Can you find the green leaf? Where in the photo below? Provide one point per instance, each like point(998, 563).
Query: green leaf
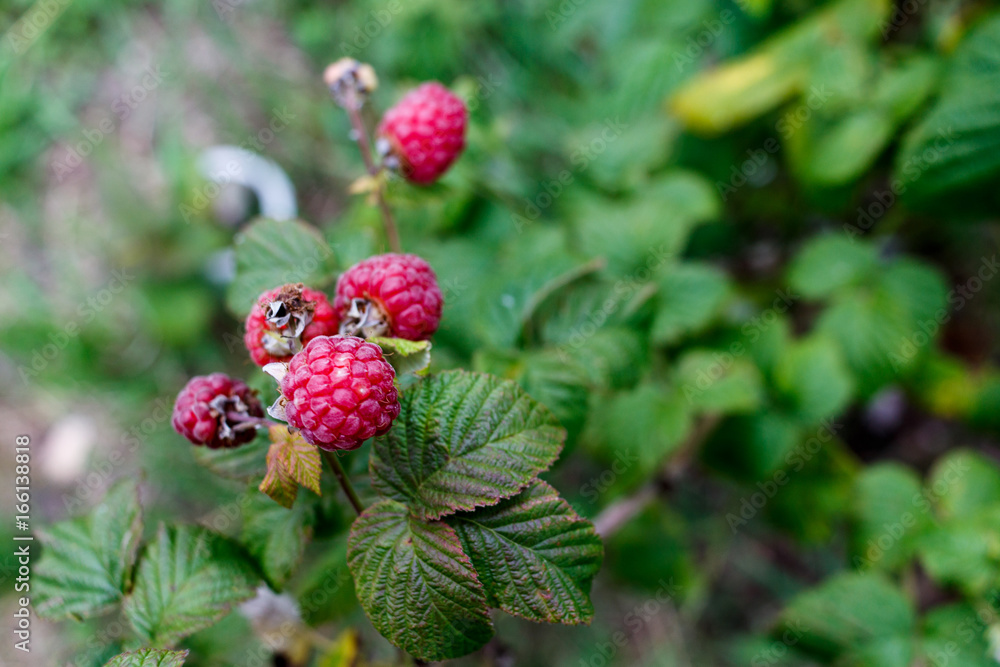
point(778, 69)
point(86, 563)
point(463, 440)
point(649, 228)
point(751, 446)
point(850, 611)
point(638, 430)
point(691, 294)
point(276, 536)
point(888, 520)
point(956, 145)
point(188, 578)
point(291, 462)
point(814, 379)
point(943, 624)
point(406, 356)
point(719, 382)
point(963, 554)
point(148, 658)
point(416, 584)
point(535, 556)
point(271, 253)
point(244, 462)
point(963, 483)
point(829, 263)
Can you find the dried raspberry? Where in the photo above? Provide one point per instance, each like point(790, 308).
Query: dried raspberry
point(217, 411)
point(284, 319)
point(425, 131)
point(339, 392)
point(389, 295)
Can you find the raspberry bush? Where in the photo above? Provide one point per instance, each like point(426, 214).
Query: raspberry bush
point(568, 334)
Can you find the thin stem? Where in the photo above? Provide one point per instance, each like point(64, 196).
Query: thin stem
point(353, 107)
point(345, 483)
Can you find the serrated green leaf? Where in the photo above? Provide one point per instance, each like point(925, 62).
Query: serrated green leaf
point(416, 584)
point(463, 440)
point(271, 253)
point(691, 294)
point(405, 356)
point(244, 462)
point(276, 536)
point(86, 563)
point(534, 555)
point(148, 658)
point(188, 578)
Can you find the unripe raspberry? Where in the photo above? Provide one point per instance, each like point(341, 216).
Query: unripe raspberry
point(339, 392)
point(425, 131)
point(389, 295)
point(217, 411)
point(284, 320)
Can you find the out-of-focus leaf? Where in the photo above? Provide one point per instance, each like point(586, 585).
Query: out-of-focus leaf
point(690, 296)
point(956, 145)
point(86, 563)
point(888, 518)
point(829, 263)
point(271, 253)
point(188, 578)
point(718, 382)
point(276, 536)
point(813, 379)
point(149, 658)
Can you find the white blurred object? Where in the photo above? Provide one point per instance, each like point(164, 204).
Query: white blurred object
point(277, 621)
point(64, 453)
point(232, 165)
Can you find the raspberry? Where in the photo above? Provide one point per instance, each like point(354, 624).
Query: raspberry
point(339, 392)
point(217, 411)
point(284, 319)
point(389, 295)
point(425, 131)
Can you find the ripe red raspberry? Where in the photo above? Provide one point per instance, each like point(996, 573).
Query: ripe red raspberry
point(284, 319)
point(425, 131)
point(389, 295)
point(217, 411)
point(339, 392)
